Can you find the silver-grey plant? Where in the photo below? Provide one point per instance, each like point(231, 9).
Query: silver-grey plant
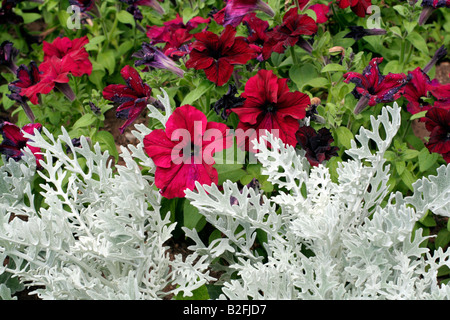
point(349, 239)
point(99, 233)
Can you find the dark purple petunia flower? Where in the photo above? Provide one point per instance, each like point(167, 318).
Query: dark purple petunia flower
point(371, 87)
point(429, 6)
point(317, 144)
point(8, 54)
point(84, 5)
point(14, 140)
point(136, 12)
point(227, 102)
point(358, 32)
point(132, 98)
point(154, 58)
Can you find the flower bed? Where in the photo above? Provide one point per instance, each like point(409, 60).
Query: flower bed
point(276, 140)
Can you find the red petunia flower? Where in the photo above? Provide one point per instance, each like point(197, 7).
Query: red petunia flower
point(437, 122)
point(54, 74)
point(289, 33)
point(183, 152)
point(218, 55)
point(14, 141)
point(26, 77)
point(416, 89)
point(317, 144)
point(321, 11)
point(269, 106)
point(62, 47)
point(175, 34)
point(358, 6)
point(372, 87)
point(257, 30)
point(132, 98)
point(235, 10)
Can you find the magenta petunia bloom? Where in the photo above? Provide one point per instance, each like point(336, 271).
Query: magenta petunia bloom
point(14, 141)
point(62, 47)
point(218, 55)
point(321, 11)
point(132, 98)
point(371, 87)
point(235, 10)
point(183, 152)
point(317, 144)
point(289, 33)
point(269, 106)
point(437, 122)
point(358, 6)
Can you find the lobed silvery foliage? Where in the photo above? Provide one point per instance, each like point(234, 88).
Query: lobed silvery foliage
point(99, 234)
point(349, 239)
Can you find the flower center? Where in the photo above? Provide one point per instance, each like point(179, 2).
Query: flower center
point(215, 54)
point(270, 108)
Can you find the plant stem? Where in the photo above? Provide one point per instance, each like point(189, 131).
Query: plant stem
point(293, 55)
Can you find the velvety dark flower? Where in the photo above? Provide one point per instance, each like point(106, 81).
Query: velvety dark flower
point(62, 47)
point(289, 33)
point(317, 144)
point(416, 90)
point(371, 87)
point(54, 74)
point(96, 110)
point(8, 54)
point(269, 106)
point(14, 140)
point(136, 12)
point(437, 122)
point(227, 102)
point(429, 6)
point(439, 54)
point(132, 98)
point(218, 55)
point(358, 6)
point(151, 57)
point(358, 32)
point(84, 5)
point(179, 164)
point(257, 30)
point(7, 15)
point(236, 10)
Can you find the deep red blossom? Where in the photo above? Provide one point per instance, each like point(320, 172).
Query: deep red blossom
point(317, 144)
point(417, 88)
point(269, 106)
point(289, 33)
point(371, 87)
point(321, 11)
point(62, 47)
point(235, 10)
point(175, 34)
point(84, 5)
point(218, 55)
point(437, 122)
point(358, 6)
point(183, 152)
point(257, 30)
point(54, 73)
point(131, 98)
point(14, 140)
point(26, 77)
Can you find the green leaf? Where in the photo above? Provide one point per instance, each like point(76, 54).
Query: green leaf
point(400, 166)
point(442, 239)
point(30, 17)
point(344, 136)
point(107, 139)
point(195, 94)
point(418, 115)
point(333, 67)
point(108, 60)
point(428, 220)
point(126, 18)
point(191, 216)
point(408, 179)
point(318, 83)
point(418, 42)
point(232, 172)
point(200, 293)
point(426, 159)
point(85, 121)
point(300, 75)
point(409, 154)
